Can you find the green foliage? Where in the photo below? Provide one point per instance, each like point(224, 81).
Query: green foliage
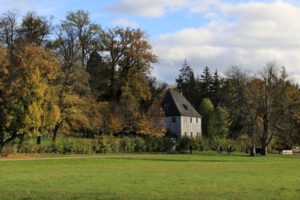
point(187, 84)
point(102, 144)
point(208, 117)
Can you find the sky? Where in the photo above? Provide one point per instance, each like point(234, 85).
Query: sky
point(214, 33)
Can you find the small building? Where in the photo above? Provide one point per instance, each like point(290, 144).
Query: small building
point(180, 117)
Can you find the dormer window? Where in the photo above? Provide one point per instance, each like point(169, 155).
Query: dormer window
point(185, 106)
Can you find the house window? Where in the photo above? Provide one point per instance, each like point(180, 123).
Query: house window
point(191, 134)
point(185, 134)
point(191, 119)
point(185, 107)
point(196, 120)
point(173, 119)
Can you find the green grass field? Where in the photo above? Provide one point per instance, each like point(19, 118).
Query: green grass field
point(197, 176)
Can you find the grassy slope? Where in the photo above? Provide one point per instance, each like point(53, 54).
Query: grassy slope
point(197, 176)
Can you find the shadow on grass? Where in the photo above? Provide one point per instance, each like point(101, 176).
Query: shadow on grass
point(191, 158)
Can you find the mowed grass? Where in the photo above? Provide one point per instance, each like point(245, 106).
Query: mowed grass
point(196, 176)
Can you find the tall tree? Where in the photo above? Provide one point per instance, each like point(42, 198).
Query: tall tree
point(186, 83)
point(34, 29)
point(99, 76)
point(128, 55)
point(206, 82)
point(79, 24)
point(25, 95)
point(208, 118)
point(8, 32)
point(262, 102)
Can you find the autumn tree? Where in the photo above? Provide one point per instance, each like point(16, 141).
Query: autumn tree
point(25, 101)
point(34, 30)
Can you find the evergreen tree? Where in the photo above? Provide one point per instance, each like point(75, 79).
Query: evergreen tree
point(216, 89)
point(206, 82)
point(99, 77)
point(186, 83)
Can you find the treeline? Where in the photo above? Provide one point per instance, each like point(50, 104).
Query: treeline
point(263, 108)
point(75, 77)
point(78, 78)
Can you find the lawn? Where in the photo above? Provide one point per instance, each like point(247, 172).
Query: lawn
point(196, 176)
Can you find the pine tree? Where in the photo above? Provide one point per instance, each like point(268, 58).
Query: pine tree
point(206, 82)
point(186, 83)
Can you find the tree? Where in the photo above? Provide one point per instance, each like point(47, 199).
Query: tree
point(206, 82)
point(8, 32)
point(34, 30)
point(99, 76)
point(79, 25)
point(222, 122)
point(187, 84)
point(206, 110)
point(75, 39)
point(24, 93)
point(261, 102)
point(217, 87)
point(128, 55)
point(276, 102)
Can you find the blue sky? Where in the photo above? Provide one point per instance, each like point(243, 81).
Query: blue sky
point(214, 33)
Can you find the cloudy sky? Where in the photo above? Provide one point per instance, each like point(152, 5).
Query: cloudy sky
point(214, 33)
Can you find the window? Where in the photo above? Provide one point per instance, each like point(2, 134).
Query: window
point(191, 119)
point(185, 134)
point(173, 119)
point(191, 134)
point(196, 120)
point(185, 107)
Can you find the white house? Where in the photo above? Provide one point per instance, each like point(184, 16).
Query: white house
point(180, 116)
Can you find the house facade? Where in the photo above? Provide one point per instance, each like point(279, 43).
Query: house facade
point(181, 118)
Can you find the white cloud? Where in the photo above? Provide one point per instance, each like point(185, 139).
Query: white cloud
point(146, 8)
point(245, 34)
point(122, 22)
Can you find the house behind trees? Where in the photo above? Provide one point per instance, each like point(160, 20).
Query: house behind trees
point(180, 117)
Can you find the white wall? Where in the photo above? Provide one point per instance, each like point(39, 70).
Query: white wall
point(183, 125)
point(191, 126)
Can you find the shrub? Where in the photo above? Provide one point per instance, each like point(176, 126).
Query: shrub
point(139, 144)
point(184, 143)
point(127, 145)
point(8, 149)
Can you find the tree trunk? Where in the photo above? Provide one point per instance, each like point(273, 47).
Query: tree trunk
point(55, 131)
point(253, 150)
point(39, 140)
point(1, 148)
point(264, 150)
point(20, 142)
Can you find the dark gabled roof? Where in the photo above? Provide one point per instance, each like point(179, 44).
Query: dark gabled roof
point(175, 104)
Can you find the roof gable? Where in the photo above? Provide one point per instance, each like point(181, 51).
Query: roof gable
point(175, 104)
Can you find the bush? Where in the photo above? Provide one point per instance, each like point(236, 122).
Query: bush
point(28, 147)
point(8, 149)
point(184, 143)
point(110, 144)
point(139, 144)
point(127, 145)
